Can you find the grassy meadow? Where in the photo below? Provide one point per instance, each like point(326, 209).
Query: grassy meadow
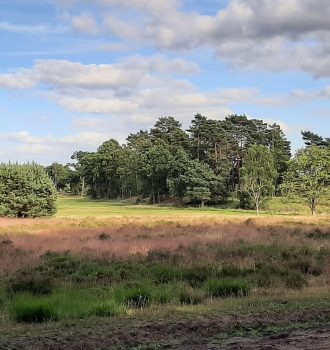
point(98, 261)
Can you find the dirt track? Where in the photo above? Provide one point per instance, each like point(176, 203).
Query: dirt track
point(283, 331)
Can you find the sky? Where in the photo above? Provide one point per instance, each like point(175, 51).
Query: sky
point(75, 73)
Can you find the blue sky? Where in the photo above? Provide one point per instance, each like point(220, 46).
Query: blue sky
point(74, 73)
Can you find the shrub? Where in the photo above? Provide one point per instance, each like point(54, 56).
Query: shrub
point(227, 287)
point(295, 280)
point(196, 275)
point(27, 283)
point(30, 310)
point(26, 191)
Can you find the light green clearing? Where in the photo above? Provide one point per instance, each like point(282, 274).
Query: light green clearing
point(84, 207)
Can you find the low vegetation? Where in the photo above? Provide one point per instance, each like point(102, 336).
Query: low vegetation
point(108, 268)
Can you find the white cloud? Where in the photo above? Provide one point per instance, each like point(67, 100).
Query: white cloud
point(84, 23)
point(128, 72)
point(258, 34)
point(20, 80)
point(39, 29)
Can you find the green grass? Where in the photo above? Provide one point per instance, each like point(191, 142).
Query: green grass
point(225, 288)
point(84, 207)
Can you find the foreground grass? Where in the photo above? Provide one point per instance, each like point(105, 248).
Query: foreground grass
point(169, 326)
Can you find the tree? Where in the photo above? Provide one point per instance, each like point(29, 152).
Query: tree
point(26, 191)
point(154, 170)
point(60, 175)
point(312, 139)
point(194, 181)
point(258, 174)
point(309, 175)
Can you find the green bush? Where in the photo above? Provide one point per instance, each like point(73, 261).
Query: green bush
point(33, 310)
point(26, 191)
point(227, 287)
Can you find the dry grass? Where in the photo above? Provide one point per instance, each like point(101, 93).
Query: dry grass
point(23, 241)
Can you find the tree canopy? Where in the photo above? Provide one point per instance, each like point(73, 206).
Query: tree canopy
point(26, 191)
point(308, 175)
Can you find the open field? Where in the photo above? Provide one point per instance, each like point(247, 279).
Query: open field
point(76, 207)
point(105, 275)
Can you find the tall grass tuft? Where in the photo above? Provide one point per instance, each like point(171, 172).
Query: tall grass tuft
point(134, 297)
point(33, 310)
point(224, 288)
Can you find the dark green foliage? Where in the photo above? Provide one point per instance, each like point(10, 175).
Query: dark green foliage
point(135, 297)
point(26, 191)
point(224, 288)
point(61, 175)
point(195, 166)
point(245, 200)
point(31, 310)
point(28, 282)
point(312, 139)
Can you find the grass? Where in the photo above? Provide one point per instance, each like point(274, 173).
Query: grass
point(27, 309)
point(225, 288)
point(84, 207)
point(74, 207)
point(122, 259)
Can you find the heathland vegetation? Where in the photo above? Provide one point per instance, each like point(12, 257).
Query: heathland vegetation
point(174, 265)
point(151, 235)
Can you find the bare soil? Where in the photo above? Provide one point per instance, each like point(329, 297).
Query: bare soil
point(300, 330)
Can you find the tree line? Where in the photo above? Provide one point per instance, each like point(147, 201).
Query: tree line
point(199, 165)
point(209, 162)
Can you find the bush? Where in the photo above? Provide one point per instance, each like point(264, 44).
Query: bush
point(227, 287)
point(196, 275)
point(245, 201)
point(295, 280)
point(27, 283)
point(26, 191)
point(30, 310)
